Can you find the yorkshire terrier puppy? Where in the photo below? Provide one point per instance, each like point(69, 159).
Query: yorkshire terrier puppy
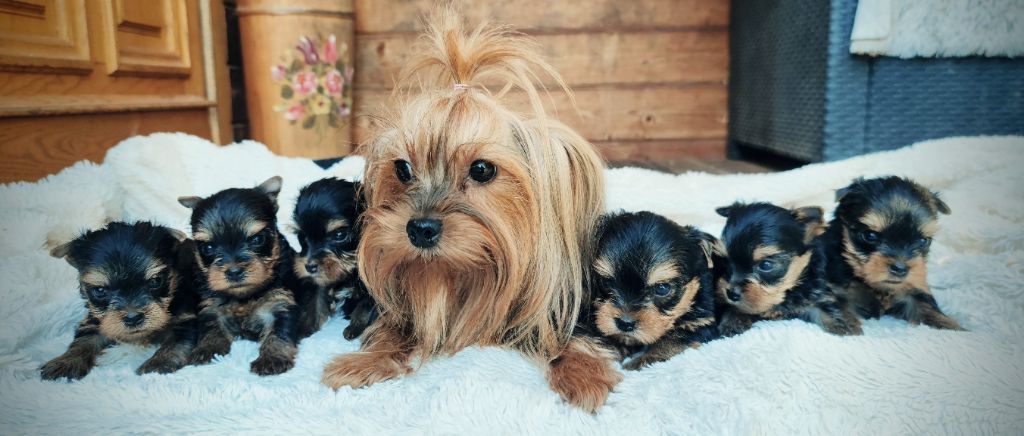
point(776, 270)
point(479, 219)
point(877, 247)
point(653, 287)
point(129, 277)
point(327, 226)
point(244, 277)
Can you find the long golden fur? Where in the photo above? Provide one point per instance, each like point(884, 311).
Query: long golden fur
point(510, 267)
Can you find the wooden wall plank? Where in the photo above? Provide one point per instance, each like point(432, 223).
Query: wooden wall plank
point(615, 114)
point(646, 151)
point(375, 16)
point(581, 59)
point(31, 148)
point(650, 76)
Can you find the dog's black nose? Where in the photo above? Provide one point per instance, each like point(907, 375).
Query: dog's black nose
point(133, 319)
point(312, 267)
point(424, 232)
point(234, 273)
point(734, 294)
point(899, 269)
point(625, 323)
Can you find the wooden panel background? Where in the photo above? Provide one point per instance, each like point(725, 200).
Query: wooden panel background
point(78, 76)
point(650, 76)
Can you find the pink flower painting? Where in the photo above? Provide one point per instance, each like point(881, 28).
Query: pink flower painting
point(303, 82)
point(334, 82)
point(316, 84)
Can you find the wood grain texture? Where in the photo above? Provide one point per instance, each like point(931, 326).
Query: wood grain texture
point(647, 151)
point(267, 40)
point(50, 118)
point(375, 16)
point(614, 113)
point(149, 39)
point(44, 35)
point(581, 58)
point(650, 76)
point(33, 147)
point(215, 69)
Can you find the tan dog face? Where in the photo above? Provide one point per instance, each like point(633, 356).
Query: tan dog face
point(127, 277)
point(887, 227)
point(478, 217)
point(327, 226)
point(647, 275)
point(237, 242)
point(769, 251)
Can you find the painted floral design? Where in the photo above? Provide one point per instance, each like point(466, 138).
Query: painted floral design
point(316, 85)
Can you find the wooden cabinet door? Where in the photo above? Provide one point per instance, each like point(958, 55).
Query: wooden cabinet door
point(78, 76)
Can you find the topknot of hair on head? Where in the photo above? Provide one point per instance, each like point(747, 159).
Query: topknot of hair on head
point(448, 56)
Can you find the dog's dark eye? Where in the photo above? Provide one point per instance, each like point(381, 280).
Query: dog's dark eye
point(403, 170)
point(482, 171)
point(206, 250)
point(923, 242)
point(257, 240)
point(99, 293)
point(869, 237)
point(766, 265)
point(155, 283)
point(340, 235)
point(662, 289)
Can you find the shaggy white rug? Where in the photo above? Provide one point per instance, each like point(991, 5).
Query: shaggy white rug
point(779, 378)
point(938, 28)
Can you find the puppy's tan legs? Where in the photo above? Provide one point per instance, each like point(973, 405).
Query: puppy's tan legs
point(919, 307)
point(384, 355)
point(734, 322)
point(660, 351)
point(583, 375)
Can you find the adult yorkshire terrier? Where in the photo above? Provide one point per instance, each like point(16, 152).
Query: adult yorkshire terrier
point(479, 219)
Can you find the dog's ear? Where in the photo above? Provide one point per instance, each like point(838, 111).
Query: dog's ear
point(939, 205)
point(812, 218)
point(852, 187)
point(271, 187)
point(190, 201)
point(725, 210)
point(178, 235)
point(63, 251)
point(808, 214)
point(712, 248)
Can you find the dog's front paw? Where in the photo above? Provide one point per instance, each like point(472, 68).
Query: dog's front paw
point(583, 375)
point(353, 331)
point(636, 364)
point(271, 364)
point(205, 353)
point(362, 369)
point(161, 364)
point(70, 368)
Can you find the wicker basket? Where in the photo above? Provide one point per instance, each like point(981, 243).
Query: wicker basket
point(795, 90)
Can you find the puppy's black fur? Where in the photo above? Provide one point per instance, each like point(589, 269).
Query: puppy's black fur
point(877, 246)
point(243, 274)
point(777, 270)
point(652, 287)
point(129, 278)
point(327, 219)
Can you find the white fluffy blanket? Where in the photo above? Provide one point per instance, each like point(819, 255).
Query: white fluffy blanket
point(779, 378)
point(938, 28)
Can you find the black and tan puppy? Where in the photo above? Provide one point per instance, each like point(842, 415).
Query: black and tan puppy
point(327, 226)
point(877, 247)
point(776, 270)
point(244, 277)
point(653, 288)
point(129, 277)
